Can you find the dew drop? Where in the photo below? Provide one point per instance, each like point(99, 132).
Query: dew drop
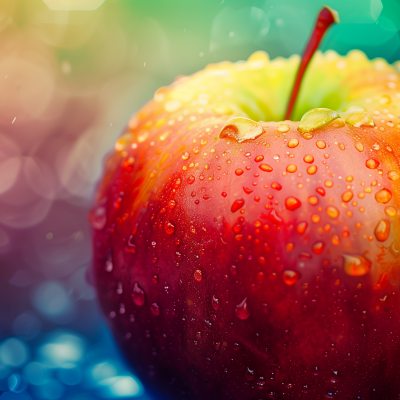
point(312, 169)
point(356, 265)
point(372, 164)
point(249, 374)
point(291, 168)
point(390, 211)
point(308, 158)
point(332, 211)
point(318, 248)
point(313, 200)
point(291, 203)
point(237, 205)
point(320, 191)
point(359, 146)
point(274, 217)
point(198, 275)
point(242, 310)
point(265, 168)
point(98, 217)
point(393, 175)
point(241, 129)
point(239, 172)
point(347, 196)
point(276, 186)
point(155, 309)
point(259, 158)
point(130, 246)
point(320, 144)
point(109, 266)
point(293, 143)
point(171, 204)
point(185, 155)
point(301, 227)
point(315, 119)
point(290, 277)
point(383, 196)
point(215, 303)
point(382, 230)
point(283, 128)
point(169, 227)
point(247, 190)
point(358, 119)
point(191, 179)
point(138, 295)
point(375, 146)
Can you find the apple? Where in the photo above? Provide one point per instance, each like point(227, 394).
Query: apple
point(238, 255)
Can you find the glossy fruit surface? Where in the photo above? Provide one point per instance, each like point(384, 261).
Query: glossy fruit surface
point(238, 259)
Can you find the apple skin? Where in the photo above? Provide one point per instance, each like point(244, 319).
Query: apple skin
point(210, 298)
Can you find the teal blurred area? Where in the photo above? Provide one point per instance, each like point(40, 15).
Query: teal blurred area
point(69, 82)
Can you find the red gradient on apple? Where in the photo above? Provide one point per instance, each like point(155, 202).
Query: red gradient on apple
point(256, 260)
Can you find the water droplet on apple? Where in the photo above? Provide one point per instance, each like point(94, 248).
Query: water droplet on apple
point(383, 196)
point(120, 288)
point(98, 217)
point(276, 186)
point(390, 211)
point(358, 119)
point(318, 248)
point(155, 309)
point(393, 175)
point(308, 158)
point(237, 204)
point(359, 146)
point(382, 230)
point(242, 310)
point(215, 303)
point(274, 217)
point(241, 129)
point(138, 295)
point(247, 190)
point(356, 265)
point(266, 168)
point(320, 191)
point(109, 266)
point(198, 275)
point(283, 128)
point(291, 203)
point(372, 164)
point(347, 196)
point(301, 227)
point(332, 211)
point(239, 172)
point(312, 169)
point(293, 143)
point(169, 227)
point(291, 168)
point(290, 277)
point(320, 144)
point(259, 158)
point(249, 374)
point(191, 179)
point(315, 119)
point(171, 204)
point(185, 155)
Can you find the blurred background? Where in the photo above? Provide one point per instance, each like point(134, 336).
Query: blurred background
point(69, 82)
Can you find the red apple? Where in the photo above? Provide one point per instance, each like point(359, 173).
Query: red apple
point(244, 260)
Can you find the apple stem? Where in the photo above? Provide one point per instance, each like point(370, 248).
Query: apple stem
point(326, 18)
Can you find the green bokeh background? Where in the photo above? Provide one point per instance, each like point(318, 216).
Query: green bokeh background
point(154, 41)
